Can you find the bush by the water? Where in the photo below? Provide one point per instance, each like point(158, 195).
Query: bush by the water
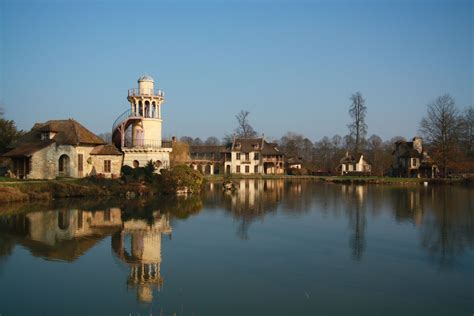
point(180, 179)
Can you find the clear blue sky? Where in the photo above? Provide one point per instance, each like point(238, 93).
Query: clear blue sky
point(292, 64)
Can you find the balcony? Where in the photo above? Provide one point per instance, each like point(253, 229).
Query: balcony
point(135, 92)
point(147, 143)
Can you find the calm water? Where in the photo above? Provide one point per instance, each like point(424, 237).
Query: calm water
point(273, 248)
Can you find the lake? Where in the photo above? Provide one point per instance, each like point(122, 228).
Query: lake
point(275, 247)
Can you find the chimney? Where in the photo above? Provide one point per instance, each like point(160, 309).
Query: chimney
point(418, 144)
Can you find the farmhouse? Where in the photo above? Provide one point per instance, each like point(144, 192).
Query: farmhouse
point(412, 161)
point(62, 148)
point(354, 165)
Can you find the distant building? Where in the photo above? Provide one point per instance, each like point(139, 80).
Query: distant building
point(209, 159)
point(254, 156)
point(62, 148)
point(242, 156)
point(294, 163)
point(411, 161)
point(354, 165)
point(137, 131)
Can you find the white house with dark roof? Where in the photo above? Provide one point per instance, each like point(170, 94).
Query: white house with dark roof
point(254, 156)
point(355, 165)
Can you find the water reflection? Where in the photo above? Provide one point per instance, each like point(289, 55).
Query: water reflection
point(138, 245)
point(443, 214)
point(441, 219)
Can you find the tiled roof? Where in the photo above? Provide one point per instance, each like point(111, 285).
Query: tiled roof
point(67, 132)
point(206, 149)
point(27, 149)
point(106, 150)
point(246, 145)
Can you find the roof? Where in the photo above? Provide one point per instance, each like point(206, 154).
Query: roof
point(146, 78)
point(106, 150)
point(349, 158)
point(67, 132)
point(294, 160)
point(206, 149)
point(246, 145)
point(406, 150)
point(27, 149)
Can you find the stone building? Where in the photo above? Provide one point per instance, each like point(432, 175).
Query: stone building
point(138, 131)
point(354, 165)
point(242, 156)
point(412, 161)
point(253, 156)
point(208, 159)
point(62, 148)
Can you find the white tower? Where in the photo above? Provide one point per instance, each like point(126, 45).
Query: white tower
point(138, 130)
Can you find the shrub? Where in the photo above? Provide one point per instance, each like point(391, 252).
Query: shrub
point(180, 178)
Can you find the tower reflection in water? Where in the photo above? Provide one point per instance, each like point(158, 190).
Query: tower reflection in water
point(66, 235)
point(138, 244)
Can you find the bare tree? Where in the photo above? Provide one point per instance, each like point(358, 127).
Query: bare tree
point(187, 139)
point(357, 112)
point(244, 129)
point(440, 127)
point(375, 149)
point(467, 133)
point(211, 140)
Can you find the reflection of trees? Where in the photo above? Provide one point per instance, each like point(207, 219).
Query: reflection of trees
point(354, 197)
point(449, 228)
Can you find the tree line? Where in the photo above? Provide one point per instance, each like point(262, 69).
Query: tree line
point(447, 131)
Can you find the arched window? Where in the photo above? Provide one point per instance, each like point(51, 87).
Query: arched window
point(136, 164)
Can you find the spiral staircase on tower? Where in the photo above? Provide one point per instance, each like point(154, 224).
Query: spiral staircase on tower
point(120, 130)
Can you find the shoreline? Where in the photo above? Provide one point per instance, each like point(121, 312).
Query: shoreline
point(49, 190)
point(347, 179)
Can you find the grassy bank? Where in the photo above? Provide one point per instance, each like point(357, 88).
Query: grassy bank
point(21, 191)
point(136, 182)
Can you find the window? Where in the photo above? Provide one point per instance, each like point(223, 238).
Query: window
point(107, 166)
point(237, 156)
point(247, 156)
point(107, 215)
point(44, 135)
point(80, 162)
point(255, 169)
point(247, 169)
point(238, 169)
point(256, 156)
point(414, 162)
point(79, 220)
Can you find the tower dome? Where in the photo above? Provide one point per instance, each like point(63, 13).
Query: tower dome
point(145, 78)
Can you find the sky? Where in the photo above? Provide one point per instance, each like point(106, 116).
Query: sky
point(292, 64)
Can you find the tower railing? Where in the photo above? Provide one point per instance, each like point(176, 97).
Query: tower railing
point(147, 143)
point(150, 92)
point(121, 118)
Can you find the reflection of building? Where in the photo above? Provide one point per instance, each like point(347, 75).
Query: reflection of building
point(60, 235)
point(138, 244)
